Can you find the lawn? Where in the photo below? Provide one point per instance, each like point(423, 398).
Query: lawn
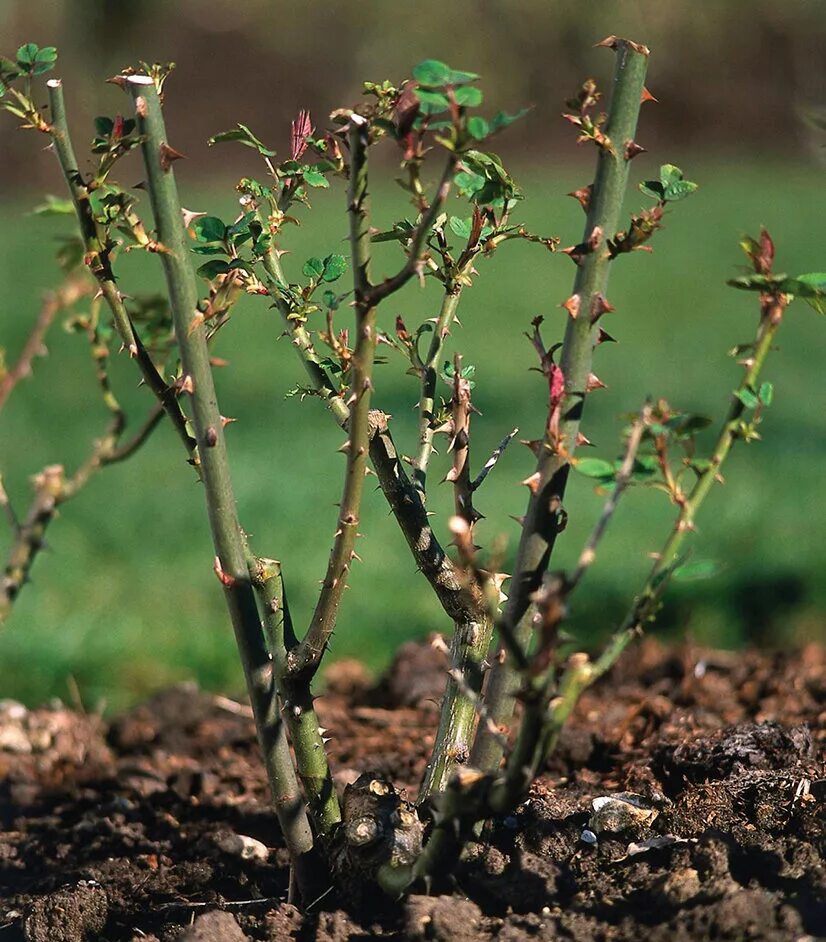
point(126, 601)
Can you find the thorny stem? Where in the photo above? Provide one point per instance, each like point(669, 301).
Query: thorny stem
point(297, 702)
point(306, 658)
point(427, 395)
point(231, 560)
point(97, 258)
point(543, 516)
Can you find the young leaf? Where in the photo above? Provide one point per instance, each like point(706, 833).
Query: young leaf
point(699, 569)
point(334, 267)
point(503, 119)
point(314, 177)
point(468, 96)
point(432, 73)
point(243, 135)
point(460, 226)
point(595, 468)
point(26, 55)
point(432, 102)
point(478, 128)
point(313, 268)
point(213, 268)
point(209, 229)
point(748, 397)
point(766, 393)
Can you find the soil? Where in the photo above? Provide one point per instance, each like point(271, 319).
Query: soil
point(707, 769)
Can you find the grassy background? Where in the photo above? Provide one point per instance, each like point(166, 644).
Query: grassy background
point(126, 601)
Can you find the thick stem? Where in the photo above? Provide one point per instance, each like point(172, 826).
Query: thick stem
point(297, 702)
point(97, 258)
point(306, 658)
point(542, 518)
point(231, 563)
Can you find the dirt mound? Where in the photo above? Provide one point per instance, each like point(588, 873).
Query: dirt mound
point(686, 801)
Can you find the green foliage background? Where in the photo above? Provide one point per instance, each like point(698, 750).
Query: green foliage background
point(126, 600)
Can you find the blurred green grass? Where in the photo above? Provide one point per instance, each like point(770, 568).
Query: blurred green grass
point(125, 601)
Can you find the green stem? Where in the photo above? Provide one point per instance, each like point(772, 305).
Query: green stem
point(307, 656)
point(645, 605)
point(97, 258)
point(297, 702)
point(542, 517)
point(231, 562)
point(427, 395)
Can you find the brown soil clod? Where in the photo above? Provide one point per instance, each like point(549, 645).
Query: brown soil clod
point(698, 775)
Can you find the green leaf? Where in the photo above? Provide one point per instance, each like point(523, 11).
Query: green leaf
point(762, 283)
point(209, 229)
point(330, 299)
point(468, 96)
point(810, 287)
point(653, 188)
point(54, 206)
point(213, 268)
point(748, 397)
point(243, 135)
point(460, 226)
point(26, 55)
point(432, 102)
point(104, 126)
point(469, 184)
point(432, 73)
point(44, 60)
point(314, 177)
point(502, 119)
point(699, 569)
point(595, 468)
point(313, 268)
point(334, 267)
point(241, 226)
point(766, 393)
point(478, 128)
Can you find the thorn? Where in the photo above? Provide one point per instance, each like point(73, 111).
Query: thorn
point(632, 149)
point(368, 471)
point(196, 322)
point(582, 196)
point(594, 382)
point(133, 350)
point(168, 156)
point(345, 447)
point(187, 385)
point(226, 580)
point(599, 306)
point(572, 305)
point(532, 482)
point(190, 216)
point(225, 421)
point(321, 730)
point(536, 445)
point(519, 520)
point(582, 441)
point(326, 740)
point(646, 96)
point(218, 362)
point(355, 555)
point(604, 337)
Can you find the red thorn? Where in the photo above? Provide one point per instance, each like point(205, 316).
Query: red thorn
point(632, 149)
point(594, 382)
point(599, 306)
point(646, 96)
point(572, 305)
point(583, 196)
point(226, 580)
point(582, 441)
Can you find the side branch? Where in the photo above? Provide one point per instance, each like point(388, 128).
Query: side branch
point(545, 513)
point(306, 658)
point(97, 258)
point(377, 293)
